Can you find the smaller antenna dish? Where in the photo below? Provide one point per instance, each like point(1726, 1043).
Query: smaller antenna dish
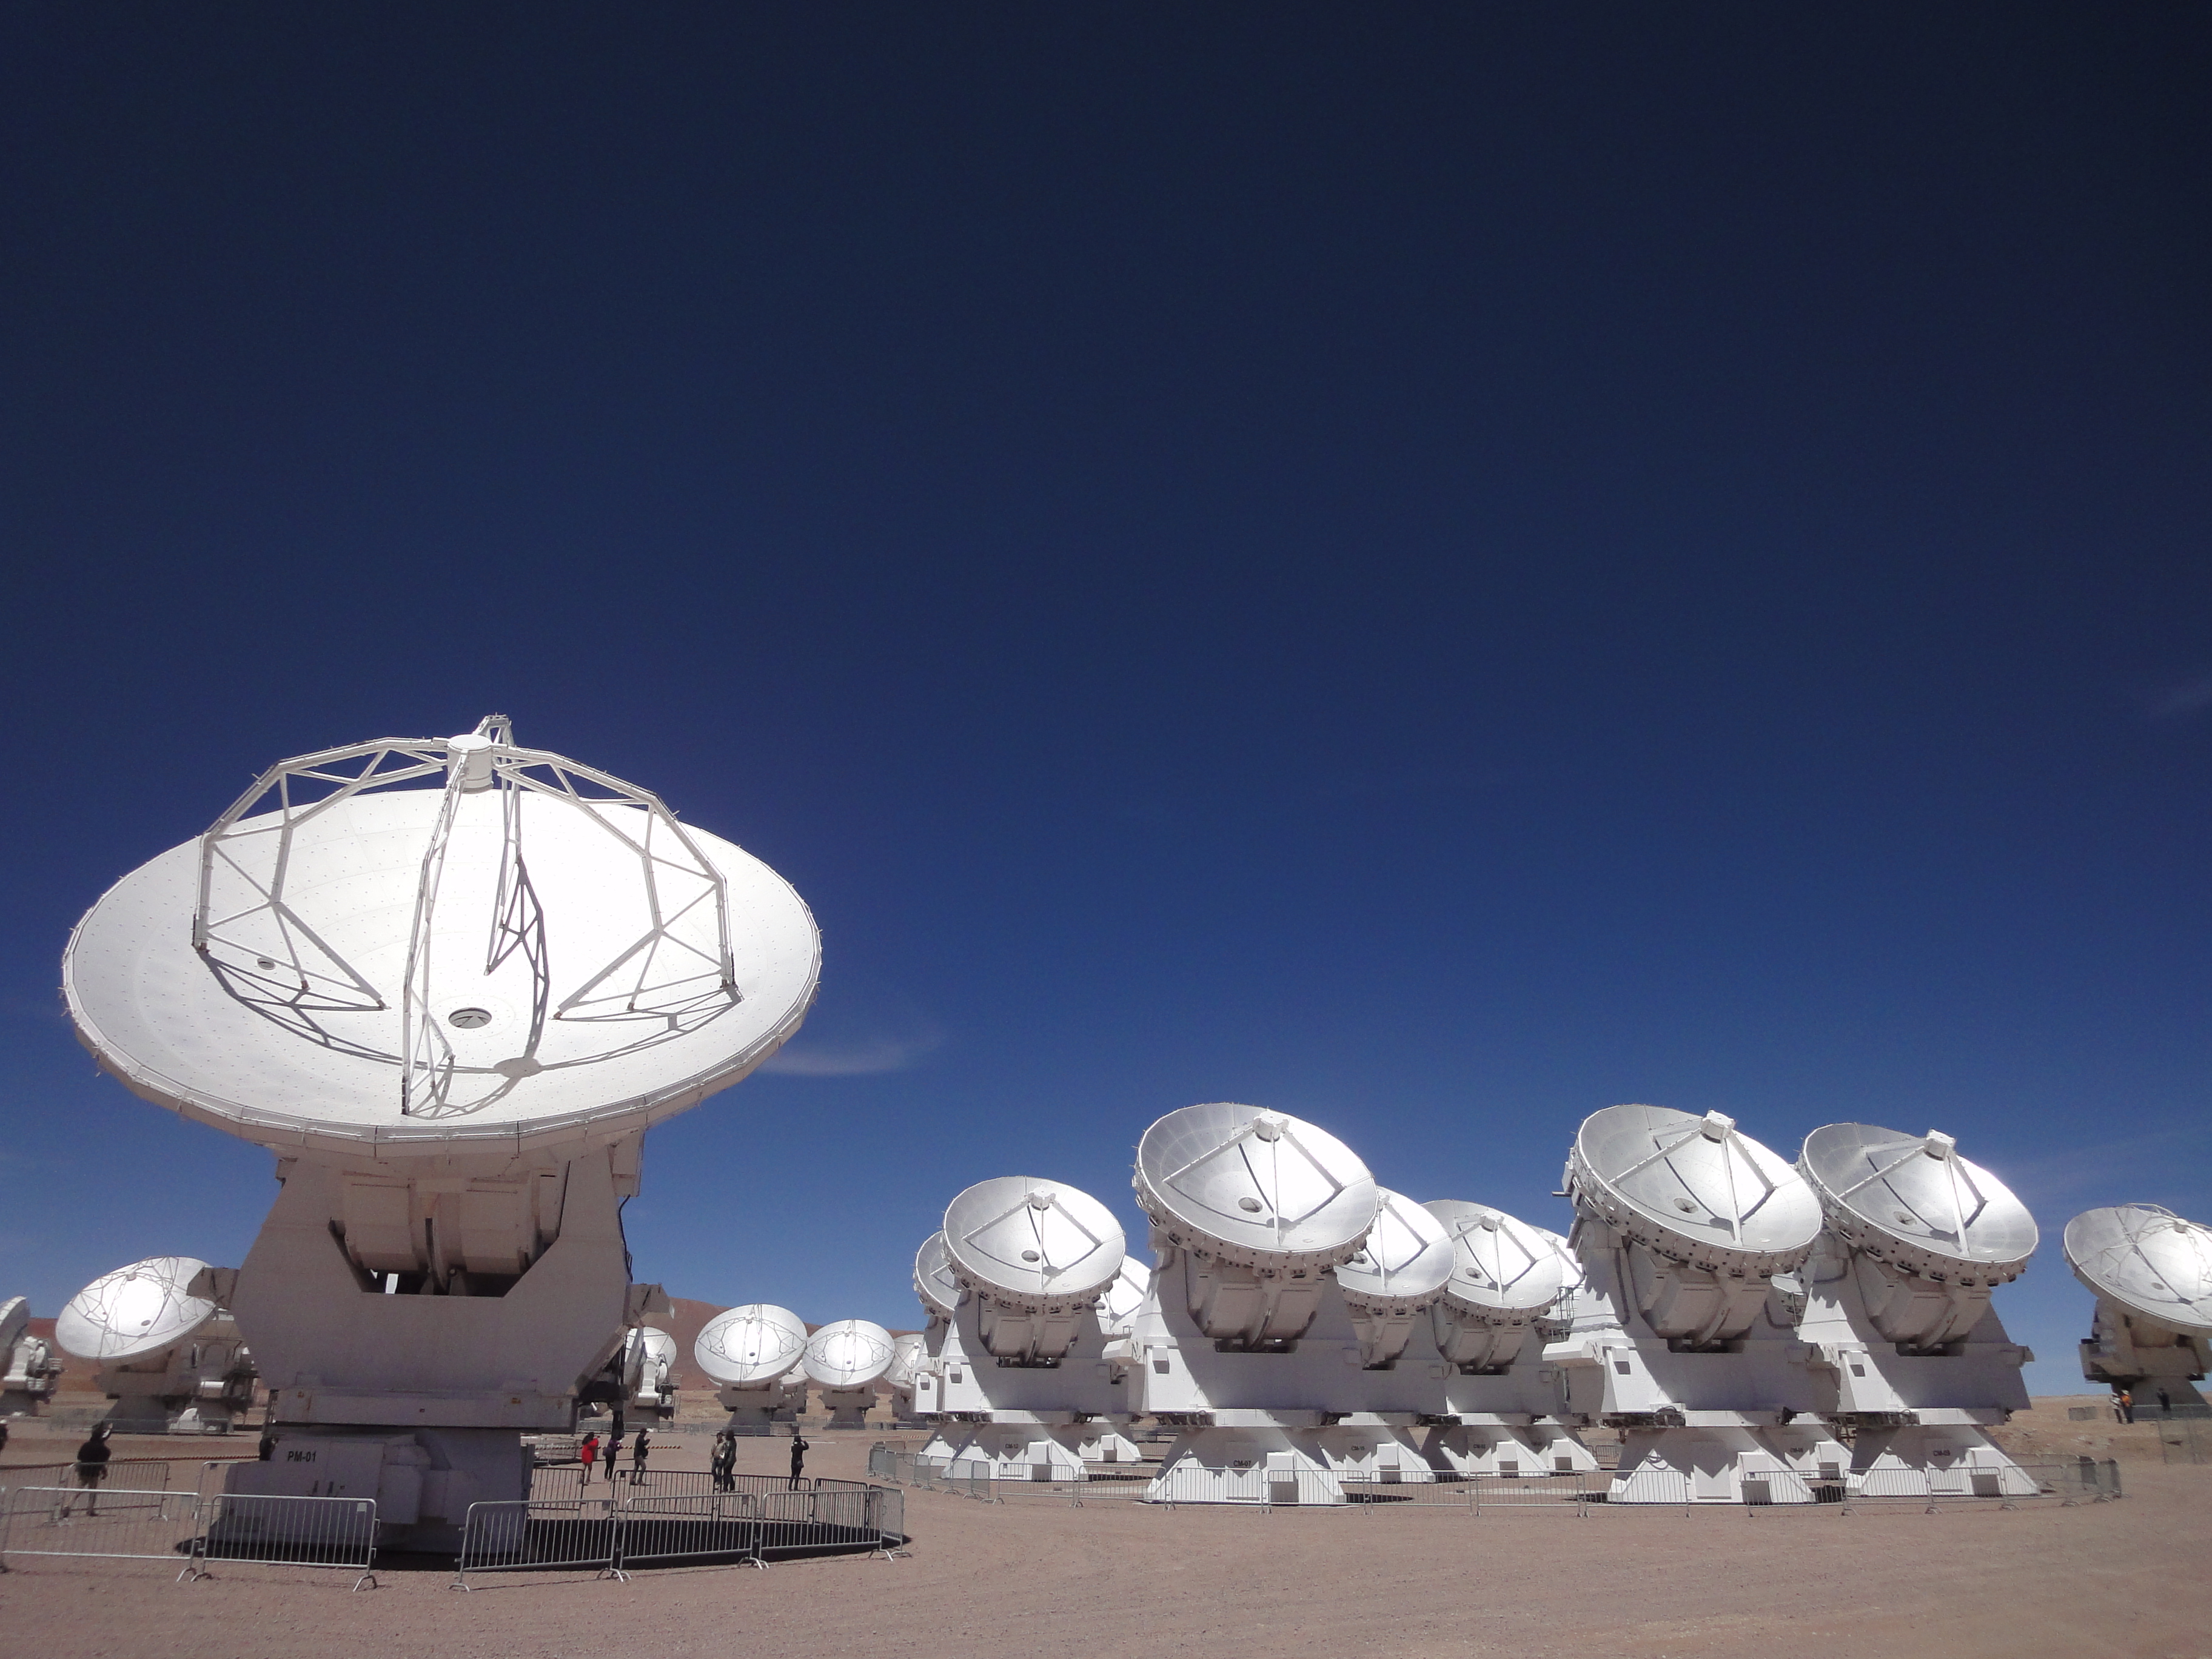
point(1911, 1201)
point(1256, 1187)
point(1572, 1275)
point(1498, 1265)
point(136, 1311)
point(908, 1352)
point(658, 1350)
point(2147, 1259)
point(1693, 1190)
point(754, 1344)
point(15, 1320)
point(1119, 1303)
point(934, 1281)
point(1031, 1243)
point(849, 1354)
point(1405, 1261)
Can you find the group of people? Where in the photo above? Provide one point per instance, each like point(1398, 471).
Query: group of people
point(640, 1445)
point(724, 1463)
point(2123, 1404)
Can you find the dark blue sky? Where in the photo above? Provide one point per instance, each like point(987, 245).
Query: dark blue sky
point(1438, 569)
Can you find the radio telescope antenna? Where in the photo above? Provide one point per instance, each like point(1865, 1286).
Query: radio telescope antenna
point(934, 1280)
point(1038, 1253)
point(348, 958)
point(1255, 1187)
point(757, 1343)
point(135, 1311)
point(2148, 1261)
point(1505, 1274)
point(1693, 1190)
point(1393, 1276)
point(1913, 1203)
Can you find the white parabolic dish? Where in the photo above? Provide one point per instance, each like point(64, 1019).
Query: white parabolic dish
point(1255, 1187)
point(1693, 1188)
point(1498, 1265)
point(1032, 1241)
point(849, 1354)
point(1405, 1260)
point(1912, 1201)
point(2147, 1259)
point(754, 1344)
point(1119, 1303)
point(135, 1311)
point(934, 1281)
point(535, 953)
point(908, 1352)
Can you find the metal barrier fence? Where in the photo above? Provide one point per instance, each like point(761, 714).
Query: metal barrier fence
point(305, 1532)
point(681, 1515)
point(144, 1474)
point(116, 1522)
point(121, 1523)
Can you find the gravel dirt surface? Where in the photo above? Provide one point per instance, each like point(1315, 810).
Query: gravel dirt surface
point(1112, 1579)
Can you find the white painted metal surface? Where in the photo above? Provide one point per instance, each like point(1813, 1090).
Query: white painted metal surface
point(1255, 1187)
point(1405, 1260)
point(1032, 1243)
point(1498, 1264)
point(2147, 1259)
point(134, 1312)
point(1912, 1202)
point(1693, 1190)
point(758, 1342)
point(934, 1280)
point(852, 1354)
point(535, 953)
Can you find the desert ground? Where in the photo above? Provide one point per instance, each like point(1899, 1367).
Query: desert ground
point(1115, 1578)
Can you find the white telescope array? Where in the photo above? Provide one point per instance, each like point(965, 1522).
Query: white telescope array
point(450, 982)
point(1756, 1330)
point(170, 1359)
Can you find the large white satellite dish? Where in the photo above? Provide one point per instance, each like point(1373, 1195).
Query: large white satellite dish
point(908, 1352)
point(1255, 1187)
point(1498, 1265)
point(1032, 1243)
point(751, 1345)
point(2148, 1261)
point(1693, 1190)
point(418, 945)
point(1405, 1260)
point(934, 1280)
point(135, 1311)
point(1911, 1201)
point(849, 1354)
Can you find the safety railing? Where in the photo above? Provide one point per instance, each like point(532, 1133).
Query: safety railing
point(144, 1474)
point(677, 1516)
point(164, 1525)
point(306, 1531)
point(113, 1522)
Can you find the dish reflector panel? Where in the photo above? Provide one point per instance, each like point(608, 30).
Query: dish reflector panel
point(1033, 1240)
point(1911, 1199)
point(1694, 1188)
point(2147, 1259)
point(934, 1281)
point(1119, 1303)
point(849, 1354)
point(1406, 1256)
point(1498, 1265)
point(1255, 1187)
point(136, 1311)
point(757, 1343)
point(527, 950)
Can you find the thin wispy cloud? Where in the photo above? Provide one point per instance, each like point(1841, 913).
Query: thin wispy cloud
point(2180, 699)
point(870, 1057)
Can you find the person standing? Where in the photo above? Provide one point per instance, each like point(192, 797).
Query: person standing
point(614, 1455)
point(2165, 1403)
point(588, 1454)
point(638, 1448)
point(91, 1467)
point(798, 1457)
point(725, 1462)
point(2127, 1406)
